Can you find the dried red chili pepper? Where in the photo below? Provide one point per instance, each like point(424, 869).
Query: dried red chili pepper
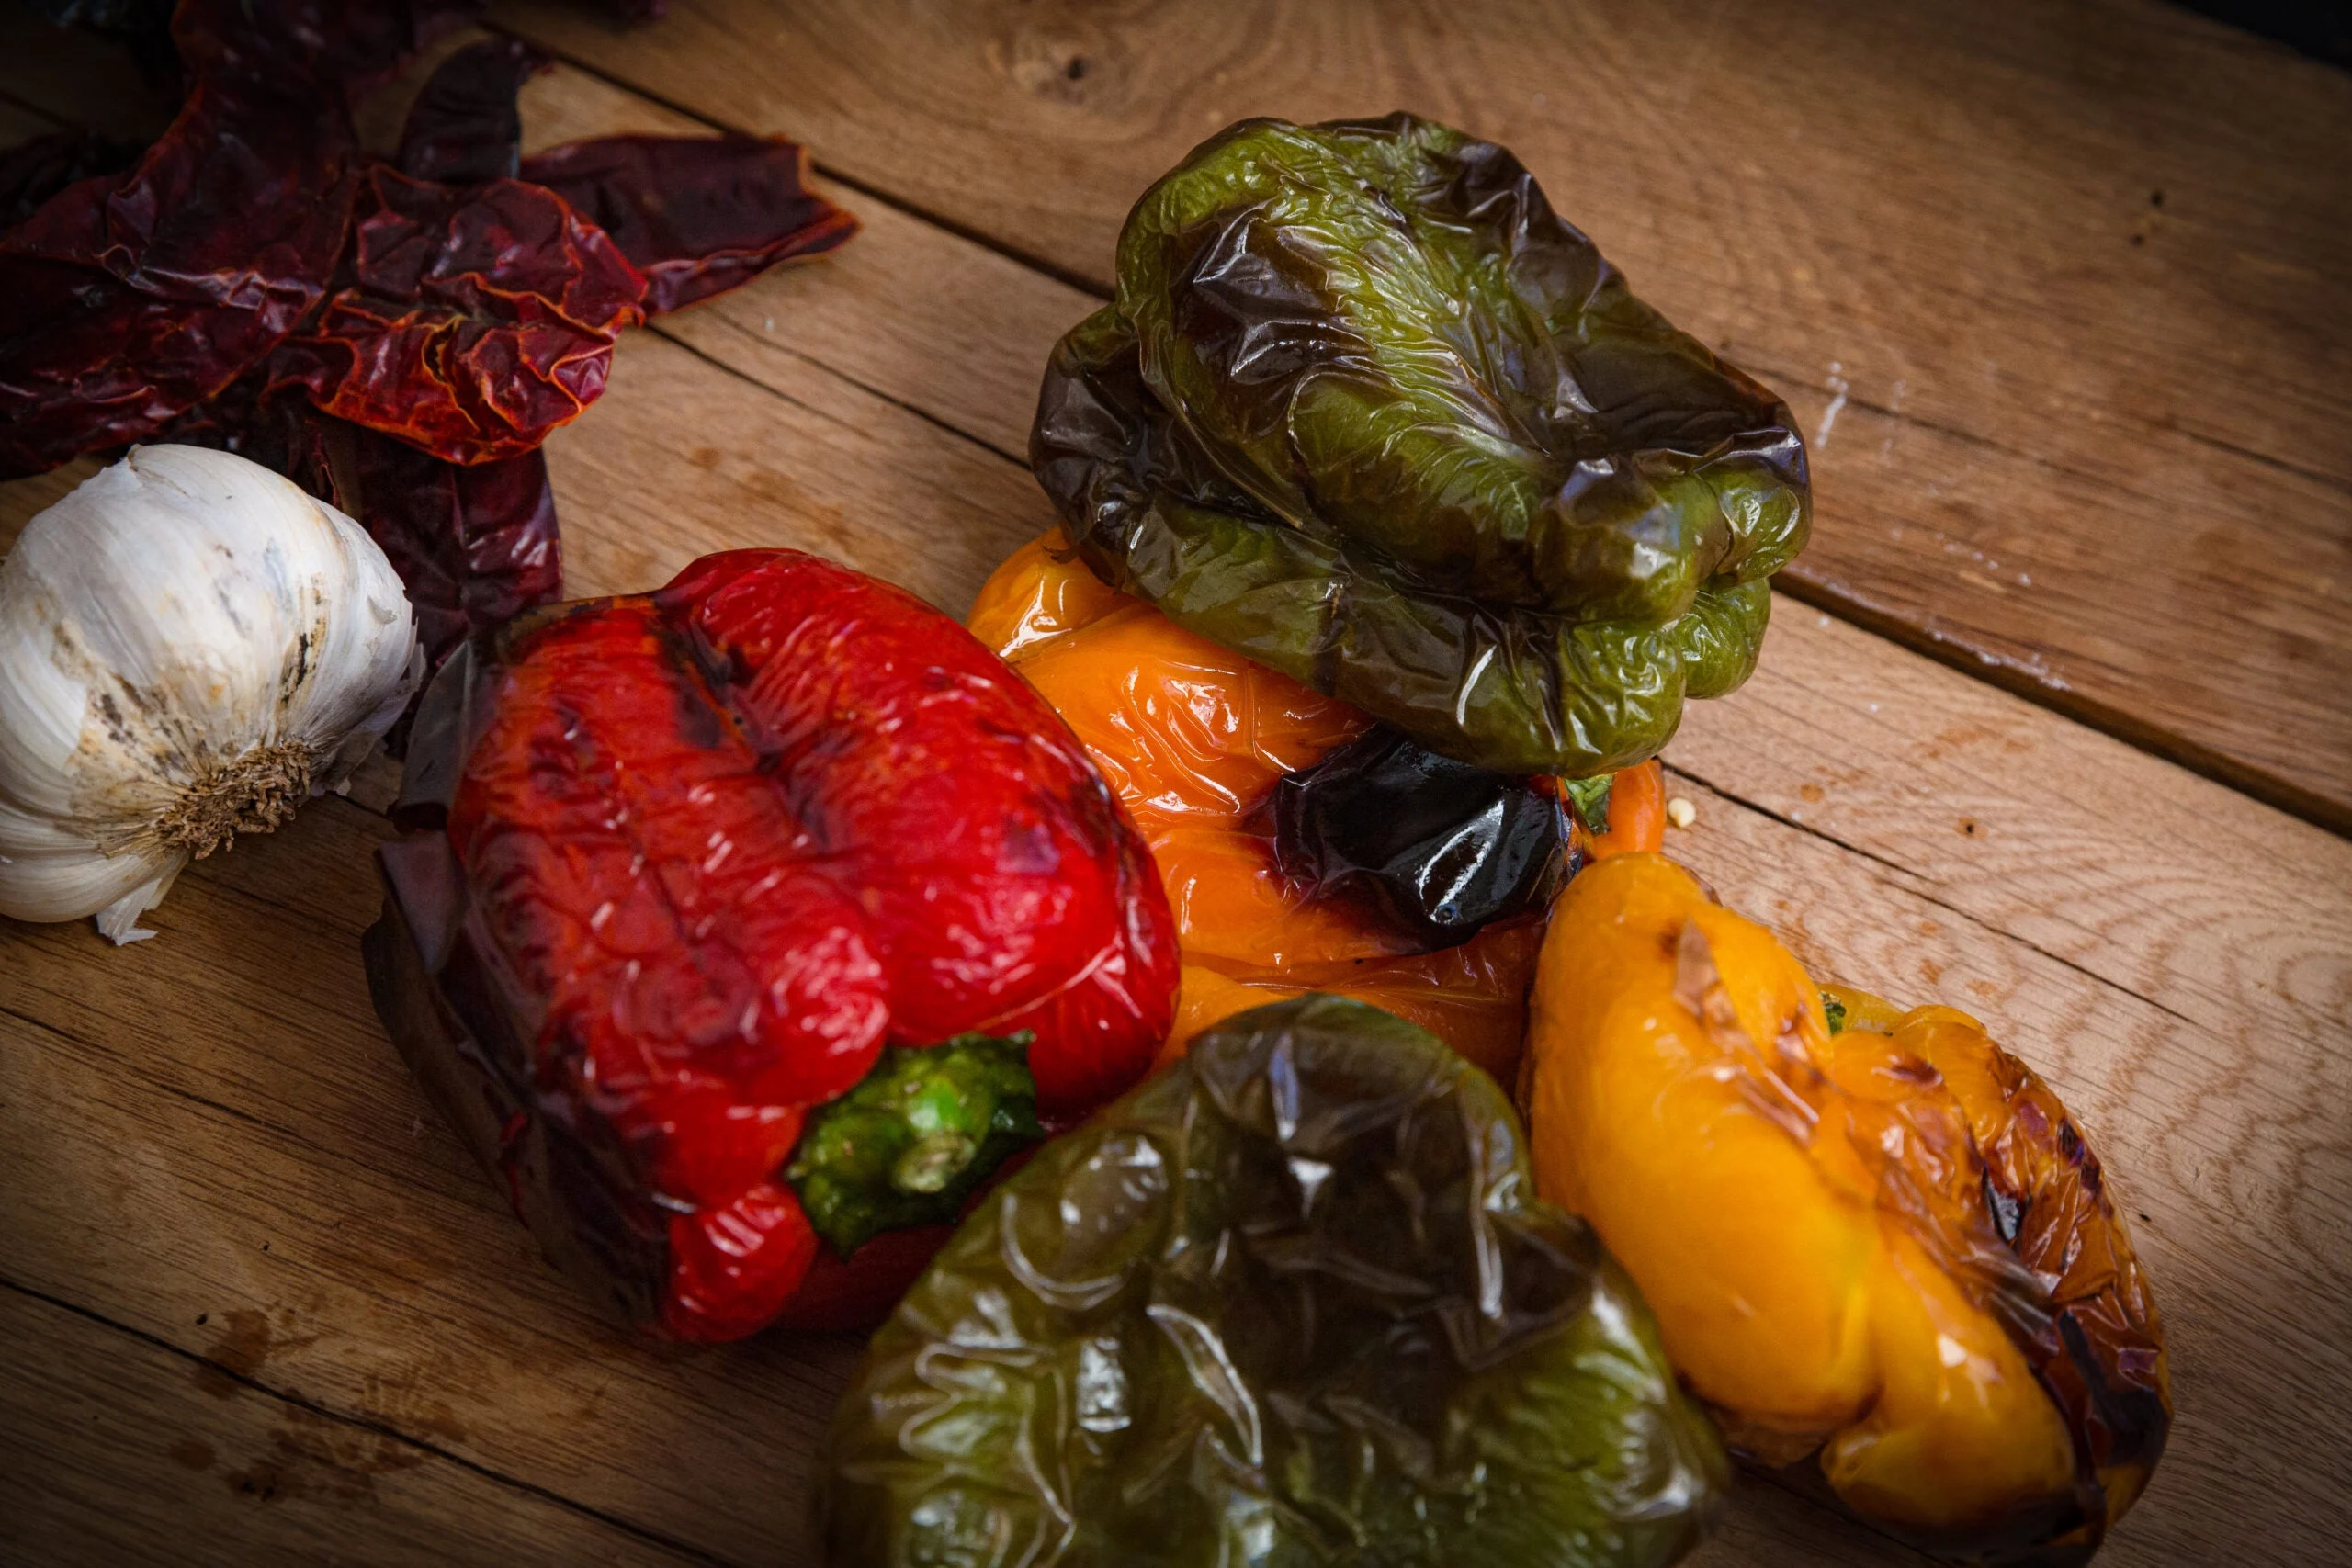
point(32, 172)
point(734, 876)
point(470, 321)
point(466, 125)
point(697, 215)
point(475, 544)
point(123, 302)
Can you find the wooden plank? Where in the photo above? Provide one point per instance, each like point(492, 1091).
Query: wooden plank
point(114, 1449)
point(2066, 271)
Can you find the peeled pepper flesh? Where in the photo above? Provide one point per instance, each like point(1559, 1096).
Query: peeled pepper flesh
point(1194, 738)
point(1368, 411)
point(764, 917)
point(1289, 1304)
point(1885, 1243)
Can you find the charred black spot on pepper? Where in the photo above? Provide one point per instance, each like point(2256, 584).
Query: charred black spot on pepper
point(2008, 1211)
point(1436, 849)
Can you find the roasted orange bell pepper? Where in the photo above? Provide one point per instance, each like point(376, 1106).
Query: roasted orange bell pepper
point(1883, 1241)
point(1193, 736)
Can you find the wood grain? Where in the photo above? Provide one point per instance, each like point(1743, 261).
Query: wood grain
point(213, 1124)
point(227, 1473)
point(2066, 271)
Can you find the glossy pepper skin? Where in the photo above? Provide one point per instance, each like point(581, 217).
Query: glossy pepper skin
point(1888, 1245)
point(1197, 740)
point(1289, 1304)
point(1367, 410)
point(767, 913)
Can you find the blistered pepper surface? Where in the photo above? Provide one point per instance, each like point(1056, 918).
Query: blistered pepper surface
point(1288, 1303)
point(1366, 410)
point(1890, 1245)
point(734, 837)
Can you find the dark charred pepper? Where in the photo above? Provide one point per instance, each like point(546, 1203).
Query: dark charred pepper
point(1289, 1304)
point(1366, 410)
point(766, 916)
point(1878, 1246)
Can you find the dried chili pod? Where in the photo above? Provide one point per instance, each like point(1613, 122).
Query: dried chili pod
point(466, 125)
point(125, 301)
point(469, 321)
point(475, 544)
point(1288, 1303)
point(1368, 411)
point(697, 214)
point(731, 891)
point(1879, 1248)
point(32, 172)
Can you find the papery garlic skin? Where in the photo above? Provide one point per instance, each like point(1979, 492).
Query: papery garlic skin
point(189, 645)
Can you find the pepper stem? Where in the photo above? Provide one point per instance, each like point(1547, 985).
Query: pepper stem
point(916, 1137)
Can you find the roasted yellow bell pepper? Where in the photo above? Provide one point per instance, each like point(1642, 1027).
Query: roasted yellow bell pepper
point(1868, 1235)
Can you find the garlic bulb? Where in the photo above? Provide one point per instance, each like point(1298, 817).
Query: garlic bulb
point(189, 647)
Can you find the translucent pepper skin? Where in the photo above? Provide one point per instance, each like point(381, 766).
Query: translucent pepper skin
point(705, 852)
point(1193, 736)
point(1889, 1246)
point(1290, 1304)
point(1366, 410)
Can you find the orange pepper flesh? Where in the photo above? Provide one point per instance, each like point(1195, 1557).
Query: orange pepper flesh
point(1808, 1216)
point(1192, 737)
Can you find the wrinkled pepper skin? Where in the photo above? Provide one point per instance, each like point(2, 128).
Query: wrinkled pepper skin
point(1367, 410)
point(1289, 1304)
point(702, 855)
point(1195, 739)
point(1888, 1245)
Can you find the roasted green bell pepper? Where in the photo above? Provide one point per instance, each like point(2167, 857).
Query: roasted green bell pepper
point(1289, 1303)
point(1366, 410)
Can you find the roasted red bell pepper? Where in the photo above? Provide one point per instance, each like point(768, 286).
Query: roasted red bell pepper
point(765, 917)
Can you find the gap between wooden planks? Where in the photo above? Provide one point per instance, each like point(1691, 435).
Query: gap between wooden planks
point(2069, 274)
point(170, 1109)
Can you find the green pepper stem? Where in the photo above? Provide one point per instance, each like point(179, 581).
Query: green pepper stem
point(916, 1137)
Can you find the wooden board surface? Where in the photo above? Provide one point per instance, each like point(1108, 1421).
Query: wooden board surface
point(2071, 275)
point(216, 1174)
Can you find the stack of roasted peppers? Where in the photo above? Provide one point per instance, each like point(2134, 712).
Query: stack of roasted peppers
point(756, 930)
point(1394, 533)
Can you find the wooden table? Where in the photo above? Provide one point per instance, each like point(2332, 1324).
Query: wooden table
point(2060, 293)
